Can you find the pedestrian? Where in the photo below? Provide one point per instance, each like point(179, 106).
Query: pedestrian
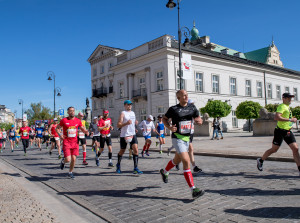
point(70, 127)
point(24, 132)
point(215, 125)
point(282, 132)
point(220, 127)
point(31, 136)
point(182, 116)
point(147, 127)
point(12, 137)
point(82, 139)
point(95, 134)
point(39, 135)
point(46, 136)
point(105, 126)
point(55, 140)
point(160, 128)
point(127, 122)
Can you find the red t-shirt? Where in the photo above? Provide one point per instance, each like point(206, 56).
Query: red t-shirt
point(53, 132)
point(102, 123)
point(24, 132)
point(70, 128)
point(1, 135)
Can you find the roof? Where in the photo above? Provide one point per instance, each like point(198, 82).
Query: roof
point(259, 55)
point(219, 48)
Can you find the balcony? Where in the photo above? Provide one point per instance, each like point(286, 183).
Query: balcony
point(110, 89)
point(139, 94)
point(100, 92)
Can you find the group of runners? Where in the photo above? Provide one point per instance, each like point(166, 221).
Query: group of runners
point(179, 119)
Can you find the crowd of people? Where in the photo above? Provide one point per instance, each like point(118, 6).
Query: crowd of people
point(180, 119)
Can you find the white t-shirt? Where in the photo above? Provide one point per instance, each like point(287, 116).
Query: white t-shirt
point(147, 127)
point(128, 130)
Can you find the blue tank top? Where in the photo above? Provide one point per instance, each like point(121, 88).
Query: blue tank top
point(161, 128)
point(12, 133)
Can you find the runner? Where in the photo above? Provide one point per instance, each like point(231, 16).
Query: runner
point(147, 127)
point(127, 123)
point(82, 139)
point(95, 134)
point(55, 140)
point(70, 127)
point(39, 135)
point(12, 137)
point(182, 116)
point(17, 137)
point(1, 140)
point(282, 132)
point(160, 128)
point(31, 136)
point(105, 125)
point(46, 136)
point(4, 138)
point(24, 132)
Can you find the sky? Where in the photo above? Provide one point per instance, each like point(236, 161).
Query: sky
point(37, 36)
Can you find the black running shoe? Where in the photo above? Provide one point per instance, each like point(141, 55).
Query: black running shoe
point(62, 164)
point(164, 176)
point(197, 193)
point(197, 169)
point(259, 164)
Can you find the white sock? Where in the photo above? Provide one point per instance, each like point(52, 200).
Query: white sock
point(110, 160)
point(192, 188)
point(70, 172)
point(160, 147)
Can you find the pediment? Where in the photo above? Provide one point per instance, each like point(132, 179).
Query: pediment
point(103, 51)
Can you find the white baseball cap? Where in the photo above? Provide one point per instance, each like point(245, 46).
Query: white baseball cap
point(191, 101)
point(151, 117)
point(95, 117)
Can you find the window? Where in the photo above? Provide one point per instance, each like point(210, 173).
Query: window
point(102, 69)
point(287, 89)
point(95, 105)
point(94, 86)
point(199, 82)
point(182, 83)
point(95, 72)
point(121, 90)
point(234, 120)
point(143, 114)
point(102, 104)
point(110, 64)
point(142, 85)
point(259, 89)
point(269, 90)
point(159, 81)
point(233, 86)
point(110, 103)
point(160, 110)
point(248, 88)
point(296, 94)
point(215, 83)
point(278, 92)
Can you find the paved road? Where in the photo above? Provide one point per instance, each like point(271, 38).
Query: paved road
point(235, 190)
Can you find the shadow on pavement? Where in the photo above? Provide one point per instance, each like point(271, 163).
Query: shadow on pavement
point(124, 193)
point(12, 174)
point(255, 192)
point(269, 212)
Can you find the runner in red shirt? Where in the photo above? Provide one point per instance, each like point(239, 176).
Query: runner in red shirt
point(104, 126)
point(55, 140)
point(24, 133)
point(70, 127)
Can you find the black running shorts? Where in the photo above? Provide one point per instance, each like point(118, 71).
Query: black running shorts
point(82, 141)
point(123, 143)
point(282, 134)
point(104, 140)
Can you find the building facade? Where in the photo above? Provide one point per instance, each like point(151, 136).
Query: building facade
point(6, 116)
point(147, 75)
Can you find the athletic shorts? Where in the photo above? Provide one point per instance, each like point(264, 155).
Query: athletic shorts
point(25, 143)
point(82, 141)
point(96, 138)
point(68, 151)
point(147, 137)
point(54, 139)
point(4, 140)
point(39, 137)
point(180, 145)
point(104, 140)
point(18, 137)
point(191, 138)
point(12, 138)
point(31, 137)
point(123, 143)
point(282, 134)
point(161, 136)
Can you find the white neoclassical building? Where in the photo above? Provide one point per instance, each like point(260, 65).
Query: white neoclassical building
point(6, 116)
point(147, 76)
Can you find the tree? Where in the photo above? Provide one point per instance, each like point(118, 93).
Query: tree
point(38, 112)
point(296, 112)
point(216, 109)
point(271, 107)
point(7, 126)
point(248, 110)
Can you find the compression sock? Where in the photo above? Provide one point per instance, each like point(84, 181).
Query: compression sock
point(135, 160)
point(119, 159)
point(160, 147)
point(110, 157)
point(189, 178)
point(84, 156)
point(169, 166)
point(145, 147)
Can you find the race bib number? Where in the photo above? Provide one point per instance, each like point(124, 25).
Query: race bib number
point(71, 133)
point(161, 132)
point(128, 139)
point(56, 138)
point(148, 129)
point(46, 133)
point(193, 129)
point(25, 134)
point(185, 127)
point(104, 136)
point(81, 135)
point(12, 134)
point(39, 132)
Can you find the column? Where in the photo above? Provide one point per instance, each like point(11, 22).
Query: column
point(130, 85)
point(148, 85)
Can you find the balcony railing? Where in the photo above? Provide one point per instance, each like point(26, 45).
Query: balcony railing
point(110, 89)
point(100, 92)
point(139, 93)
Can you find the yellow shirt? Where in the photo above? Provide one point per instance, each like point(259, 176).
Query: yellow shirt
point(285, 112)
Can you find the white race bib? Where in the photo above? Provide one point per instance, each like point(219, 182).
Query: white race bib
point(12, 134)
point(185, 127)
point(81, 135)
point(25, 134)
point(46, 133)
point(161, 132)
point(193, 129)
point(39, 132)
point(148, 129)
point(128, 139)
point(71, 133)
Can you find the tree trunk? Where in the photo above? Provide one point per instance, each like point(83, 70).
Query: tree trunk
point(249, 125)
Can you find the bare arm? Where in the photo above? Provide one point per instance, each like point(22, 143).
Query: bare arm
point(173, 128)
point(83, 129)
point(57, 129)
point(278, 117)
point(198, 120)
point(120, 123)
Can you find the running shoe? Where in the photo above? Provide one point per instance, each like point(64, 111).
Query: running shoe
point(110, 164)
point(177, 167)
point(17, 145)
point(97, 162)
point(142, 153)
point(50, 153)
point(84, 162)
point(40, 149)
point(169, 151)
point(46, 147)
point(25, 154)
point(137, 171)
point(0, 150)
point(59, 157)
point(160, 152)
point(62, 164)
point(147, 153)
point(259, 164)
point(164, 176)
point(130, 157)
point(71, 176)
point(118, 168)
point(197, 169)
point(12, 150)
point(157, 144)
point(197, 193)
point(93, 148)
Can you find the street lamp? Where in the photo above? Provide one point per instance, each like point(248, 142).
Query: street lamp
point(171, 4)
point(57, 90)
point(21, 103)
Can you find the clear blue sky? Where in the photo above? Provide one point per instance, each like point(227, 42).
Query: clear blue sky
point(37, 36)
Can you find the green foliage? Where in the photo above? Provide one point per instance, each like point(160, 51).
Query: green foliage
point(248, 110)
point(296, 112)
point(271, 107)
point(87, 125)
point(7, 126)
point(216, 109)
point(38, 112)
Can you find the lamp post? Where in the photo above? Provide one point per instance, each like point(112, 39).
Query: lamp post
point(171, 4)
point(21, 103)
point(57, 90)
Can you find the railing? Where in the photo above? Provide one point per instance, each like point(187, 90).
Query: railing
point(140, 93)
point(99, 92)
point(110, 89)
